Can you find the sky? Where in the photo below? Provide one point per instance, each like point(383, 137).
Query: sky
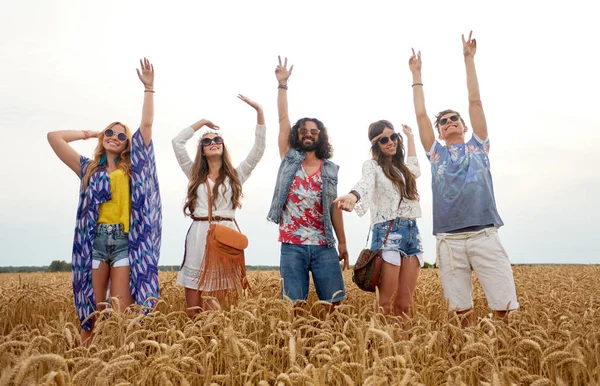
point(71, 65)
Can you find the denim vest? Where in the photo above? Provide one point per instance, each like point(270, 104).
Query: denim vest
point(290, 165)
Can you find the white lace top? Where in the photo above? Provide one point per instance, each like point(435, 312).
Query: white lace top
point(245, 168)
point(377, 194)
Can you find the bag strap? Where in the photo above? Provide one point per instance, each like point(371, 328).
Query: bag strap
point(390, 225)
point(210, 205)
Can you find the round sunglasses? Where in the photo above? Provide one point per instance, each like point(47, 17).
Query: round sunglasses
point(453, 118)
point(110, 132)
point(304, 131)
point(208, 141)
point(384, 140)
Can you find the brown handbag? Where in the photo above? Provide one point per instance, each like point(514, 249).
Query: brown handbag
point(224, 265)
point(367, 270)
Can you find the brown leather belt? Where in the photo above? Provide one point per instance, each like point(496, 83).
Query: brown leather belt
point(214, 218)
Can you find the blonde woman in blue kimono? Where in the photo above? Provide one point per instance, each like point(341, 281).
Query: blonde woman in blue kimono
point(118, 228)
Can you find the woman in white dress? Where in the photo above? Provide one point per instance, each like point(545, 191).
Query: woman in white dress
point(388, 189)
point(212, 163)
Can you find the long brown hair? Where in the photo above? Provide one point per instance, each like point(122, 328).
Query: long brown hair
point(199, 174)
point(124, 162)
point(407, 186)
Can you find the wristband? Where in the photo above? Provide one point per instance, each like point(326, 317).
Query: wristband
point(355, 193)
point(283, 86)
point(149, 90)
point(417, 84)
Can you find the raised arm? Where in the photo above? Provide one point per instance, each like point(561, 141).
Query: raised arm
point(146, 75)
point(59, 140)
point(476, 114)
point(426, 132)
point(183, 158)
point(411, 152)
point(282, 73)
point(247, 166)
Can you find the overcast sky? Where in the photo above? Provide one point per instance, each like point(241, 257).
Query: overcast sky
point(71, 65)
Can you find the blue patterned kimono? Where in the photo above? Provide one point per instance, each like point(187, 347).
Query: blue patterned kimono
point(144, 231)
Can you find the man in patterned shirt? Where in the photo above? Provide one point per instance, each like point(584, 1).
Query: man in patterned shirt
point(465, 218)
point(303, 206)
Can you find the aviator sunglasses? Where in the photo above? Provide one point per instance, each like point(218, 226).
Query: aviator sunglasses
point(384, 140)
point(207, 141)
point(110, 132)
point(453, 118)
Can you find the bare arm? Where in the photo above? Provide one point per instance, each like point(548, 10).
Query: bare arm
point(476, 114)
point(338, 227)
point(59, 140)
point(283, 74)
point(426, 132)
point(410, 141)
point(246, 167)
point(146, 75)
point(180, 140)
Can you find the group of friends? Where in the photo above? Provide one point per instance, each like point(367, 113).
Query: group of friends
point(119, 218)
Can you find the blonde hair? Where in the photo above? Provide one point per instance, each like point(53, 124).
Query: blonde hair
point(124, 162)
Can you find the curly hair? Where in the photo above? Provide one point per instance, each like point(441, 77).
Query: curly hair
point(199, 174)
point(439, 116)
point(124, 162)
point(405, 181)
point(324, 149)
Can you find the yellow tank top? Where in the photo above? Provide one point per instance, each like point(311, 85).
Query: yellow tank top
point(118, 209)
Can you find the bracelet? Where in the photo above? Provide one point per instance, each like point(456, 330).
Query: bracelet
point(417, 84)
point(355, 193)
point(86, 134)
point(149, 90)
point(283, 86)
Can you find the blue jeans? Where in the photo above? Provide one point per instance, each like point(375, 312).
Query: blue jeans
point(111, 245)
point(297, 260)
point(404, 237)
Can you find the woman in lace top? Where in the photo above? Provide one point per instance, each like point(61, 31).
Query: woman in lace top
point(388, 190)
point(212, 163)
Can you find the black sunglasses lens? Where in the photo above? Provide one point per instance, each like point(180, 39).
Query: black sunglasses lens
point(122, 136)
point(314, 131)
point(218, 140)
point(109, 133)
point(394, 137)
point(384, 140)
point(206, 141)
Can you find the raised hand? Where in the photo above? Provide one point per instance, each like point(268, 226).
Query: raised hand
point(469, 46)
point(146, 74)
point(252, 104)
point(407, 131)
point(206, 122)
point(414, 63)
point(282, 73)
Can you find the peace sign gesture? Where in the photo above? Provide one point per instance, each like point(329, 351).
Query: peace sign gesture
point(414, 63)
point(282, 73)
point(469, 46)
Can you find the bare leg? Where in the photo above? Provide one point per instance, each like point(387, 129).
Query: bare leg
point(407, 281)
point(388, 285)
point(100, 283)
point(466, 320)
point(193, 298)
point(119, 277)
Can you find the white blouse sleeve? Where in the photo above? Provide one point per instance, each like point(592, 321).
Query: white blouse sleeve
point(365, 187)
point(185, 162)
point(246, 167)
point(412, 163)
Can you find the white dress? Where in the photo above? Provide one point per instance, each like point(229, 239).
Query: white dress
point(196, 237)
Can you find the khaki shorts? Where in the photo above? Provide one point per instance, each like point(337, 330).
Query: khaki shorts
point(460, 253)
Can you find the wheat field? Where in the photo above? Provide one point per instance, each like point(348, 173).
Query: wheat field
point(553, 340)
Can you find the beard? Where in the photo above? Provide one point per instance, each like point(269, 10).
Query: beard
point(309, 146)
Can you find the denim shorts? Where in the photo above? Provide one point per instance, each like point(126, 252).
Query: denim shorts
point(111, 246)
point(297, 260)
point(404, 237)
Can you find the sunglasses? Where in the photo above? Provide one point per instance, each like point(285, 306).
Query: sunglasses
point(453, 118)
point(208, 141)
point(384, 140)
point(304, 131)
point(110, 132)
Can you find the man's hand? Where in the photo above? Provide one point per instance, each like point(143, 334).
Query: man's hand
point(414, 63)
point(469, 46)
point(282, 73)
point(343, 255)
point(346, 202)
